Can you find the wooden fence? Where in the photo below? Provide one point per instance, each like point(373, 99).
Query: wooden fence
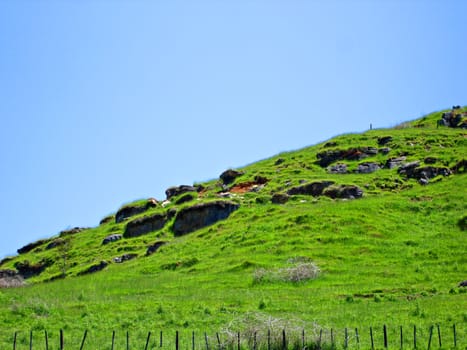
point(319, 339)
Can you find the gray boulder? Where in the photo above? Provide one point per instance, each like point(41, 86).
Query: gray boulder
point(367, 167)
point(229, 176)
point(10, 279)
point(112, 238)
point(280, 198)
point(339, 168)
point(201, 215)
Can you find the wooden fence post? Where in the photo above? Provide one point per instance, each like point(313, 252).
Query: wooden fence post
point(61, 339)
point(414, 336)
point(46, 340)
point(320, 338)
point(84, 339)
point(113, 340)
point(346, 338)
point(206, 340)
point(332, 338)
point(454, 334)
point(176, 341)
point(269, 339)
point(238, 340)
point(193, 340)
point(439, 335)
point(429, 339)
point(254, 340)
point(147, 341)
point(14, 340)
point(385, 337)
point(160, 340)
point(30, 340)
point(127, 340)
point(371, 337)
point(402, 338)
point(356, 336)
point(284, 340)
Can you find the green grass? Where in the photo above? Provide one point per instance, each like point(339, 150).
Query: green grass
point(394, 257)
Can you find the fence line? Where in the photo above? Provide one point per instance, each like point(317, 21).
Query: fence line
point(322, 339)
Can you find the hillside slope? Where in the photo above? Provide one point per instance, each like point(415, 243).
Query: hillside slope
point(362, 229)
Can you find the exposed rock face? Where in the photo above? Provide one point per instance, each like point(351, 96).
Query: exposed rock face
point(454, 118)
point(28, 247)
point(10, 279)
point(95, 268)
point(313, 189)
point(279, 161)
point(413, 171)
point(184, 199)
point(124, 257)
point(27, 270)
point(463, 284)
point(460, 167)
point(392, 163)
point(384, 140)
point(154, 247)
point(112, 238)
point(132, 210)
point(145, 225)
point(106, 220)
point(178, 190)
point(201, 215)
point(339, 168)
point(326, 158)
point(55, 243)
point(343, 192)
point(229, 176)
point(280, 198)
point(368, 167)
point(430, 160)
point(72, 231)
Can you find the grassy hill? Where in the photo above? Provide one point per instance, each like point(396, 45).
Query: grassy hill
point(395, 256)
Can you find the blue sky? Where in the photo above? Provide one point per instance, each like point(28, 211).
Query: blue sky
point(105, 102)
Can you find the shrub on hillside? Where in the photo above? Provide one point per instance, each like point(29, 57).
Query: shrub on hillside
point(301, 270)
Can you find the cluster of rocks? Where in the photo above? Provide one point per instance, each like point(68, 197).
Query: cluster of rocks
point(10, 279)
point(132, 210)
point(94, 268)
point(27, 269)
point(454, 119)
point(412, 170)
point(326, 158)
point(320, 188)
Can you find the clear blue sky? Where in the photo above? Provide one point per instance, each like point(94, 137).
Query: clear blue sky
point(104, 102)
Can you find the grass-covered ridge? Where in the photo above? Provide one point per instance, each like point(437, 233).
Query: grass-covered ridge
point(394, 256)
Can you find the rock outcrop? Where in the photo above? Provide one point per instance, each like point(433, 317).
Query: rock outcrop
point(201, 215)
point(95, 268)
point(124, 257)
point(30, 246)
point(326, 158)
point(343, 192)
point(131, 210)
point(367, 168)
point(111, 238)
point(154, 247)
point(229, 176)
point(313, 189)
point(146, 224)
point(10, 279)
point(279, 198)
point(27, 269)
point(413, 170)
point(178, 190)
